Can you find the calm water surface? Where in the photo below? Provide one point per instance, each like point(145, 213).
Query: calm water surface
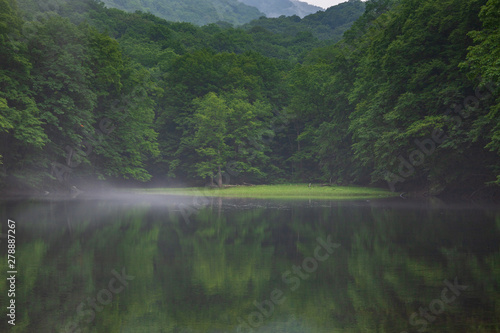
point(166, 264)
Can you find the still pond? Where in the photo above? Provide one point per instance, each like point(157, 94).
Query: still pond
point(178, 264)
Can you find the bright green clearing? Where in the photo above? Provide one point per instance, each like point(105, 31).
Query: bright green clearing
point(292, 191)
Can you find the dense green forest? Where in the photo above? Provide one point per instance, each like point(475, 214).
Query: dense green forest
point(408, 97)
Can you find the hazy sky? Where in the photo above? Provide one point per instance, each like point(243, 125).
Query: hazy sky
point(324, 3)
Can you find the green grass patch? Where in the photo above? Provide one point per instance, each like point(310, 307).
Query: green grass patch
point(292, 191)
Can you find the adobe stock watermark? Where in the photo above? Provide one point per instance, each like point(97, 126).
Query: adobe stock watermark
point(292, 278)
point(199, 199)
point(86, 310)
point(453, 116)
point(437, 306)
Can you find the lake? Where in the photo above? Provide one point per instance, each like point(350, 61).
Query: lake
point(119, 263)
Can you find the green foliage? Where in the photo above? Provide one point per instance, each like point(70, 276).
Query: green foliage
point(245, 86)
point(412, 60)
point(110, 94)
point(21, 133)
point(230, 131)
point(211, 119)
point(482, 60)
point(60, 80)
point(320, 108)
point(400, 69)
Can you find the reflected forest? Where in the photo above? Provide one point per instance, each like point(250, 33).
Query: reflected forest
point(205, 274)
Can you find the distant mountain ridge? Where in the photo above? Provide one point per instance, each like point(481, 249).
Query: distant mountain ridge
point(199, 12)
point(276, 8)
point(325, 25)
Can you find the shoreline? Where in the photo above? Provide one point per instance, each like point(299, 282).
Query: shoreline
point(289, 191)
point(276, 191)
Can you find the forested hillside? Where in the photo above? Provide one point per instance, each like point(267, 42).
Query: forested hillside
point(199, 12)
point(277, 8)
point(325, 25)
point(407, 99)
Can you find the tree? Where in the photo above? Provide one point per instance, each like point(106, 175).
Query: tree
point(21, 134)
point(482, 61)
point(62, 86)
point(211, 118)
point(229, 133)
point(320, 111)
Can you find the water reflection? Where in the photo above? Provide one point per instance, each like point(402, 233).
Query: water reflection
point(253, 266)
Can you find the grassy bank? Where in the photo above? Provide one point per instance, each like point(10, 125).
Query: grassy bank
point(292, 191)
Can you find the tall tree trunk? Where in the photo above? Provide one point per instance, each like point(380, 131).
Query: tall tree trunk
point(219, 178)
point(298, 150)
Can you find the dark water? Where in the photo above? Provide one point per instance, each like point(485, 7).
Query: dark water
point(161, 264)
